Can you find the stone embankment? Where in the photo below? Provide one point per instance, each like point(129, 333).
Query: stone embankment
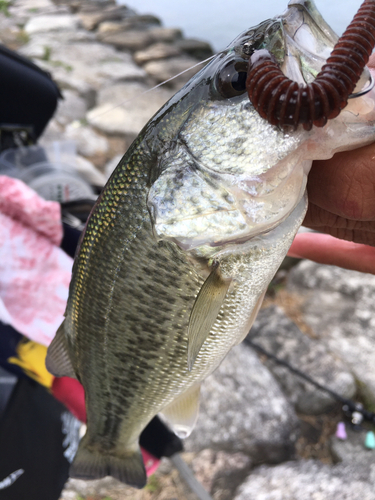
point(263, 433)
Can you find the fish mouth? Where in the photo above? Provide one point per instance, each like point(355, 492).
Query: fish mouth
point(309, 41)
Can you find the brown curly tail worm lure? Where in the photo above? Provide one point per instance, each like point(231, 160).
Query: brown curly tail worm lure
point(287, 104)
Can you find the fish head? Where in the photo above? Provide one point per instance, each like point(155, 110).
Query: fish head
point(226, 174)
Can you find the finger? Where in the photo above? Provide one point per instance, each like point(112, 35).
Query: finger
point(345, 184)
point(346, 229)
point(325, 249)
point(371, 62)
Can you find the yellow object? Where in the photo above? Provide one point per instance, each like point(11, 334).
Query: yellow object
point(31, 358)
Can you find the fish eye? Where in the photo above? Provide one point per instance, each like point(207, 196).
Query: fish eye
point(231, 79)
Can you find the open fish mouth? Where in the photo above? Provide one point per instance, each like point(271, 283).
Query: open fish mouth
point(310, 41)
point(300, 40)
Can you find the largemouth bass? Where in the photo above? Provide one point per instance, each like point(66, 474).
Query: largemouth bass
point(184, 240)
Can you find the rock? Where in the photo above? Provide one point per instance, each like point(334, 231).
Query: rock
point(129, 40)
point(65, 80)
point(75, 487)
point(10, 33)
point(220, 473)
point(125, 109)
point(46, 45)
point(89, 65)
point(90, 20)
point(167, 68)
point(141, 23)
point(88, 172)
point(71, 108)
point(21, 12)
point(339, 308)
point(196, 48)
point(118, 70)
point(89, 143)
point(108, 27)
point(352, 450)
point(156, 51)
point(309, 480)
point(91, 6)
point(277, 334)
point(167, 35)
point(243, 410)
point(62, 22)
point(53, 132)
point(37, 4)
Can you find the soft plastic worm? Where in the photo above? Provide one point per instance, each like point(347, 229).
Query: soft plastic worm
point(287, 104)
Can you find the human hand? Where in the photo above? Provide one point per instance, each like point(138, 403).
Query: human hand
point(341, 204)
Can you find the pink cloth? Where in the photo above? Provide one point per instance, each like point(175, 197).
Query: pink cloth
point(34, 272)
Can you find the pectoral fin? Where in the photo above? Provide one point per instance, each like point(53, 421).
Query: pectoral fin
point(58, 361)
point(205, 310)
point(182, 413)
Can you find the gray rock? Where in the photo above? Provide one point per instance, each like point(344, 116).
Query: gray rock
point(21, 12)
point(339, 308)
point(89, 143)
point(156, 51)
point(277, 334)
point(129, 40)
point(125, 109)
point(309, 480)
point(88, 172)
point(93, 63)
point(108, 27)
point(44, 23)
point(66, 80)
point(71, 108)
point(45, 46)
point(53, 132)
point(220, 473)
point(90, 20)
point(131, 23)
point(92, 5)
point(352, 450)
point(167, 35)
point(244, 410)
point(196, 48)
point(167, 68)
point(10, 33)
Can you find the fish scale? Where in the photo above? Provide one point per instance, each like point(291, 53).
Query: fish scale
point(183, 242)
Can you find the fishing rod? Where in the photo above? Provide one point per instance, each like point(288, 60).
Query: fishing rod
point(351, 408)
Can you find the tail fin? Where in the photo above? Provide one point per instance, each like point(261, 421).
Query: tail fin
point(127, 468)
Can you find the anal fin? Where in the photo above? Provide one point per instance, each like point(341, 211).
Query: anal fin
point(182, 413)
point(126, 467)
point(58, 361)
point(205, 310)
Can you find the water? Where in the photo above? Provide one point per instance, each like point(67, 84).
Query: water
point(219, 22)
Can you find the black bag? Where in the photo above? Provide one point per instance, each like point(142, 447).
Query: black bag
point(28, 99)
point(38, 440)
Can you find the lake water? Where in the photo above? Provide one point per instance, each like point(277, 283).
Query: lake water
point(220, 22)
